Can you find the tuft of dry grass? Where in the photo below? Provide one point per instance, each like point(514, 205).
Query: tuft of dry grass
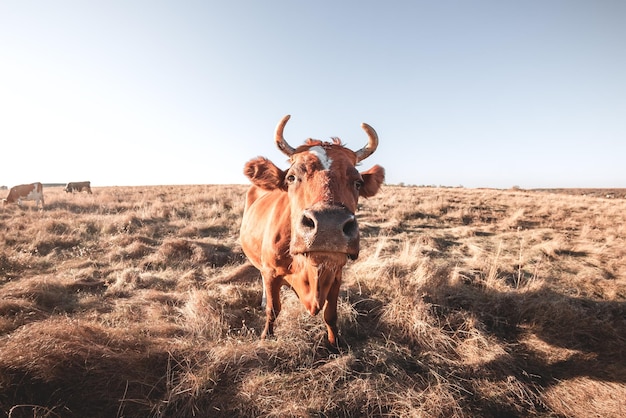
point(138, 301)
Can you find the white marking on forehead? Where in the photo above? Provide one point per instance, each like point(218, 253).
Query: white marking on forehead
point(321, 155)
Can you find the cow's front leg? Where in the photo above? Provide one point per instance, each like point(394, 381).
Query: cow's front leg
point(330, 311)
point(272, 307)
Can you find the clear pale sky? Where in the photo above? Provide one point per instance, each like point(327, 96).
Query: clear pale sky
point(472, 93)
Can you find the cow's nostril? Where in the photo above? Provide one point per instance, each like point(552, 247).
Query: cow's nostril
point(350, 228)
point(307, 222)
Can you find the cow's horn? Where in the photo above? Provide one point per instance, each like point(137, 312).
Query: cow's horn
point(371, 146)
point(280, 140)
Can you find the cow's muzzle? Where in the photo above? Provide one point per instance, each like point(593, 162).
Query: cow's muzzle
point(326, 229)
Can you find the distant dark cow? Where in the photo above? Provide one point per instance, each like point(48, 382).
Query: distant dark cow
point(78, 186)
point(32, 191)
point(299, 226)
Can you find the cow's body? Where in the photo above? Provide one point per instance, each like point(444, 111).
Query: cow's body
point(299, 226)
point(32, 191)
point(78, 186)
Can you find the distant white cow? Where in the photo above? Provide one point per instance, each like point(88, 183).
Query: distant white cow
point(32, 191)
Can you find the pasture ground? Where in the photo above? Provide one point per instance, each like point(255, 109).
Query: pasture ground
point(138, 302)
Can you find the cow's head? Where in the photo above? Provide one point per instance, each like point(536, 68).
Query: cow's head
point(323, 186)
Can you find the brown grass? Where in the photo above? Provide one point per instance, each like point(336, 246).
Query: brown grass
point(138, 302)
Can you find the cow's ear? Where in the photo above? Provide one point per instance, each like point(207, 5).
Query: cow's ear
point(264, 174)
point(372, 180)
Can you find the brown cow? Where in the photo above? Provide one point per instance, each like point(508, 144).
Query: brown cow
point(78, 186)
point(299, 226)
point(32, 191)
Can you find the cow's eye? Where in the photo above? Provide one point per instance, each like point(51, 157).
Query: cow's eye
point(291, 178)
point(358, 184)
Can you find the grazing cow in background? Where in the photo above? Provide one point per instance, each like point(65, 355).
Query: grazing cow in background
point(32, 191)
point(299, 226)
point(78, 186)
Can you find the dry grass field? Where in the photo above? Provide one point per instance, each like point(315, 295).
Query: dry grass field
point(138, 302)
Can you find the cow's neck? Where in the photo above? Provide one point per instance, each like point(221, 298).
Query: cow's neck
point(311, 279)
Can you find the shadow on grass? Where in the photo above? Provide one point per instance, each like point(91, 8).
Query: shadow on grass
point(592, 331)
